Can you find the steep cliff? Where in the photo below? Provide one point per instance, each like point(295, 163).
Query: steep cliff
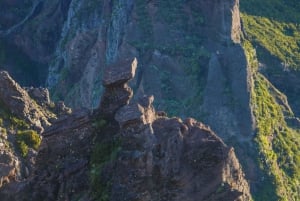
point(194, 57)
point(177, 44)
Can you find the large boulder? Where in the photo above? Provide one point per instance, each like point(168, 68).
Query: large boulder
point(117, 92)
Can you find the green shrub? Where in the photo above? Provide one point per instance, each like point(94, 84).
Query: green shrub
point(27, 139)
point(23, 148)
point(18, 123)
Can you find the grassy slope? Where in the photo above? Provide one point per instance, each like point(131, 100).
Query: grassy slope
point(271, 24)
point(274, 25)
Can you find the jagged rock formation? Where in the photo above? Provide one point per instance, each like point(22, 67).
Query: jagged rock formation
point(191, 45)
point(117, 93)
point(160, 158)
point(190, 59)
point(9, 163)
point(21, 109)
point(21, 104)
point(61, 168)
point(40, 95)
point(167, 159)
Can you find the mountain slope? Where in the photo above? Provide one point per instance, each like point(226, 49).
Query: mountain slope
point(273, 31)
point(194, 56)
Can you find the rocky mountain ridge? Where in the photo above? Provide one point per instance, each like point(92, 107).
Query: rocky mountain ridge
point(25, 113)
point(157, 158)
point(195, 57)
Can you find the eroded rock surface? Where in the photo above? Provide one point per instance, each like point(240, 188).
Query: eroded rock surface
point(168, 159)
point(21, 110)
point(18, 101)
point(61, 168)
point(159, 158)
point(117, 93)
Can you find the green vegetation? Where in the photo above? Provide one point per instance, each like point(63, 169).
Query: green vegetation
point(272, 26)
point(278, 145)
point(182, 40)
point(7, 118)
point(17, 123)
point(104, 152)
point(281, 39)
point(27, 139)
point(279, 10)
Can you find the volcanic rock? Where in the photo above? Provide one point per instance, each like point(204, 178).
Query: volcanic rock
point(120, 73)
point(40, 95)
point(159, 158)
point(117, 93)
point(167, 159)
point(18, 101)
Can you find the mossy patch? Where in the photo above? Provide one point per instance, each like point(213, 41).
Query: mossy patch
point(27, 139)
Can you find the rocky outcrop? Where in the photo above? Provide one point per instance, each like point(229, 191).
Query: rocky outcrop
point(159, 158)
point(174, 160)
point(168, 159)
point(19, 103)
point(9, 163)
point(40, 95)
point(117, 93)
point(61, 168)
point(21, 109)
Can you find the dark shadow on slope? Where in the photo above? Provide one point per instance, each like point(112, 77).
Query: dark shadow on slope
point(20, 66)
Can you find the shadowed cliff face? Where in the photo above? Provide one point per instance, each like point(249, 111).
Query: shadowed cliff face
point(175, 45)
point(78, 38)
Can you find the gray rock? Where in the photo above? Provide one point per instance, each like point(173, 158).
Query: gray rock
point(120, 72)
point(41, 95)
point(117, 93)
point(19, 103)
